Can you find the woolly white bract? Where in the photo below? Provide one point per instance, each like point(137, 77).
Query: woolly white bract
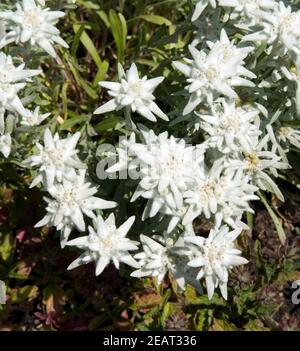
point(5, 144)
point(30, 22)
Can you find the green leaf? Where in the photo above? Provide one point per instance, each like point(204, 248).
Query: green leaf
point(71, 122)
point(276, 220)
point(108, 124)
point(85, 85)
point(76, 40)
point(88, 44)
point(159, 20)
point(118, 28)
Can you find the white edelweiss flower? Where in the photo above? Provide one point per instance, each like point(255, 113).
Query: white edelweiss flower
point(133, 92)
point(256, 161)
point(30, 22)
point(214, 74)
point(219, 196)
point(214, 256)
point(200, 7)
point(290, 135)
point(249, 8)
point(167, 167)
point(5, 144)
point(57, 159)
point(12, 80)
point(106, 243)
point(70, 200)
point(229, 126)
point(281, 27)
point(157, 259)
point(34, 118)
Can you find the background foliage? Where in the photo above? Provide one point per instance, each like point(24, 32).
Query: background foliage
point(42, 295)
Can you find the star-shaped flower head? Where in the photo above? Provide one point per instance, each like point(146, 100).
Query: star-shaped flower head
point(229, 126)
point(133, 92)
point(34, 118)
point(157, 259)
point(106, 243)
point(70, 201)
point(289, 135)
point(214, 256)
point(249, 9)
point(57, 159)
point(219, 196)
point(166, 167)
point(215, 73)
point(281, 30)
point(12, 80)
point(33, 23)
point(257, 162)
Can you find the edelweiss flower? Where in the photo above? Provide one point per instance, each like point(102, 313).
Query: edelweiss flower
point(133, 92)
point(281, 27)
point(30, 22)
point(215, 255)
point(256, 161)
point(34, 118)
point(289, 135)
point(106, 243)
point(229, 127)
point(248, 8)
point(5, 144)
point(244, 8)
point(12, 80)
point(167, 167)
point(157, 259)
point(56, 159)
point(70, 200)
point(223, 197)
point(214, 74)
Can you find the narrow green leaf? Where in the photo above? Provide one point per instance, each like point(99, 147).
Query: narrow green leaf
point(276, 220)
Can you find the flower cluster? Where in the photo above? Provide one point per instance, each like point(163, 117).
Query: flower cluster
point(60, 170)
point(239, 106)
point(241, 152)
point(64, 177)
